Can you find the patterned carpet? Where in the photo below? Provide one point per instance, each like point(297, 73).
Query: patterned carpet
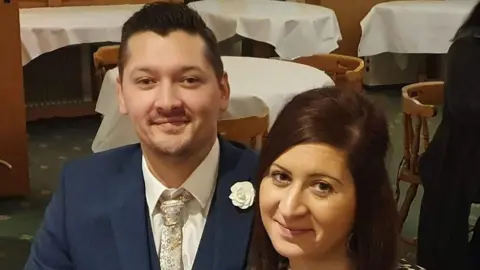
point(52, 142)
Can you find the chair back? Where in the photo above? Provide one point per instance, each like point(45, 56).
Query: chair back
point(419, 103)
point(344, 70)
point(105, 58)
point(248, 130)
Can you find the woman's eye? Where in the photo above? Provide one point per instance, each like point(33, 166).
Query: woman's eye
point(280, 177)
point(324, 188)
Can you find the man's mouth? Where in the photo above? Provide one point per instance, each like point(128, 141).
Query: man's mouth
point(172, 121)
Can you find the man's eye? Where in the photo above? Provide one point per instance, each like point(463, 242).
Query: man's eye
point(190, 80)
point(145, 81)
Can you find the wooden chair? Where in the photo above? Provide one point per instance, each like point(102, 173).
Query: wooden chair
point(344, 70)
point(104, 58)
point(418, 105)
point(249, 131)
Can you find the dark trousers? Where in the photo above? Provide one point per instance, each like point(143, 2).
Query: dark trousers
point(475, 246)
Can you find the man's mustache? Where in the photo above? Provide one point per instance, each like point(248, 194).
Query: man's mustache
point(176, 115)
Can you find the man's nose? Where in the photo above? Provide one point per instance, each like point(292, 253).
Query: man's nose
point(167, 98)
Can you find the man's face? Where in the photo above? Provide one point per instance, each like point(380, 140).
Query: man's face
point(171, 93)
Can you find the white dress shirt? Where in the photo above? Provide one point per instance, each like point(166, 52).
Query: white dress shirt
point(201, 184)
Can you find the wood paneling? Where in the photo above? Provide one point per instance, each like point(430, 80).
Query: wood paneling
point(58, 3)
point(13, 136)
point(32, 3)
point(349, 14)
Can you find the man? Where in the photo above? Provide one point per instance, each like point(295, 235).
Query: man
point(120, 209)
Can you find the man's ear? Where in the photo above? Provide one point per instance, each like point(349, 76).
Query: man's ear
point(225, 92)
point(121, 102)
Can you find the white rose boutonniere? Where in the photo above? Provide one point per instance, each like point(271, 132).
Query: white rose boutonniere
point(243, 194)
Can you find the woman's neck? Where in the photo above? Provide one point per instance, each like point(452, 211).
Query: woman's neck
point(332, 263)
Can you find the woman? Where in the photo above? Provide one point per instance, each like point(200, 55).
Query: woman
point(324, 199)
point(450, 168)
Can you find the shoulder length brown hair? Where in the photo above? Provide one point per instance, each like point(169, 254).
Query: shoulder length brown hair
point(347, 120)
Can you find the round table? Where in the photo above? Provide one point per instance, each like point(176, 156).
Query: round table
point(44, 30)
point(294, 29)
point(412, 27)
point(251, 79)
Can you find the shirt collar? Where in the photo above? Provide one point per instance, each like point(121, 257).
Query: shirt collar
point(200, 183)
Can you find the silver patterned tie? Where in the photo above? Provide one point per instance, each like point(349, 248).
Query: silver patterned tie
point(171, 234)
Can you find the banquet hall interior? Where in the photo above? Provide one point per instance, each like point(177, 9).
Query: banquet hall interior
point(58, 70)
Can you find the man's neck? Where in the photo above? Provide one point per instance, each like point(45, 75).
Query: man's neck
point(335, 262)
point(173, 171)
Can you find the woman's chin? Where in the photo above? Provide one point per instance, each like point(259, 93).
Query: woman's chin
point(288, 249)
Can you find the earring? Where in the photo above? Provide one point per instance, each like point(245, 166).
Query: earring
point(349, 243)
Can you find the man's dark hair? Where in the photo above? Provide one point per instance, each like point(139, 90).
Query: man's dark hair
point(164, 18)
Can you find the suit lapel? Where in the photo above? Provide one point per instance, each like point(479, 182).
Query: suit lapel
point(129, 216)
point(226, 236)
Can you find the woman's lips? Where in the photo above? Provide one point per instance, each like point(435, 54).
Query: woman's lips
point(290, 232)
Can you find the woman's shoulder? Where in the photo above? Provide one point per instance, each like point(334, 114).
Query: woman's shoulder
point(404, 265)
point(467, 33)
point(466, 38)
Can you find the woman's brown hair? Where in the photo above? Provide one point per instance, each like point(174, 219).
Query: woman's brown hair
point(349, 121)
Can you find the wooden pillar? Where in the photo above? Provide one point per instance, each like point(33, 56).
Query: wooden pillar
point(13, 135)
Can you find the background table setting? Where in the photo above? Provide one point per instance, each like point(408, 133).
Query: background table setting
point(293, 29)
point(43, 30)
point(406, 41)
point(412, 26)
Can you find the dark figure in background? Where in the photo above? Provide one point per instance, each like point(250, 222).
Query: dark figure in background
point(450, 168)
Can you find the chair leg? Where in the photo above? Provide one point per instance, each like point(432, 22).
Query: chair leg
point(405, 208)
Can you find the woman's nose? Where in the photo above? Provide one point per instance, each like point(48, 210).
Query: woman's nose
point(292, 204)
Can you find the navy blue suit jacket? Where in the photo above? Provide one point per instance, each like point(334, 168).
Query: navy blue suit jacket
point(98, 217)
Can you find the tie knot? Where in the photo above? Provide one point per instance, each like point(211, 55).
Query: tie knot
point(180, 194)
point(174, 201)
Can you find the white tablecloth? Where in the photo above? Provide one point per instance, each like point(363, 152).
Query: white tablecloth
point(294, 29)
point(44, 30)
point(412, 26)
point(272, 81)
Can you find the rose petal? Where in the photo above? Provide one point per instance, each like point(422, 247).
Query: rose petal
point(237, 204)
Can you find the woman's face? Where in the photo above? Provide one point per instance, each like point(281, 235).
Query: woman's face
point(307, 202)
